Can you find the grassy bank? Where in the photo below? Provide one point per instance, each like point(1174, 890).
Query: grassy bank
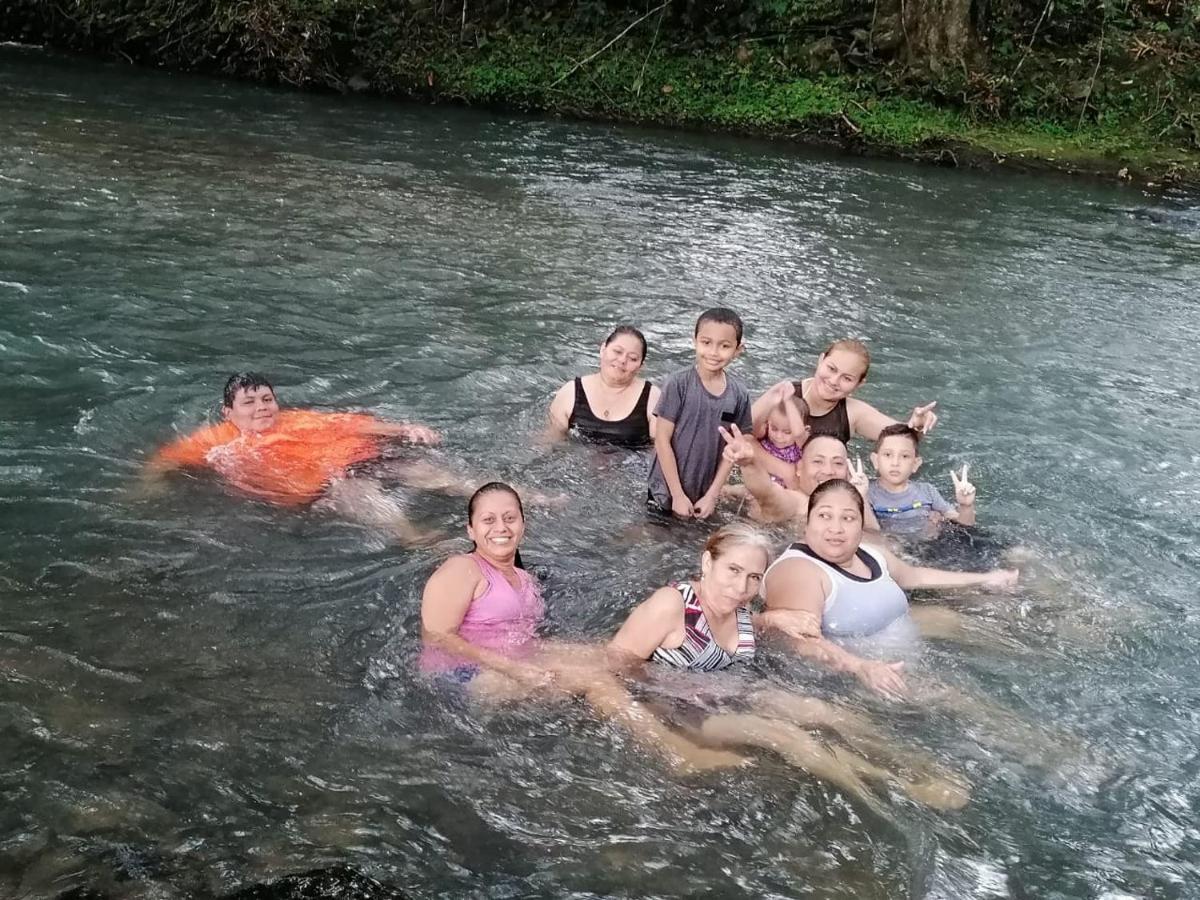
point(1122, 103)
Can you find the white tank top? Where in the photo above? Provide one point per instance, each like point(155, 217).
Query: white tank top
point(854, 606)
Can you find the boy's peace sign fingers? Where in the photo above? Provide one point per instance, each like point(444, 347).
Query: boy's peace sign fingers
point(964, 491)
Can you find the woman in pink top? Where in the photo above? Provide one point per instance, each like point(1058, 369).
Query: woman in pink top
point(481, 610)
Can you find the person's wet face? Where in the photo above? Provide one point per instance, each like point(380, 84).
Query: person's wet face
point(835, 525)
point(779, 430)
point(824, 458)
point(497, 525)
point(733, 578)
point(621, 359)
point(254, 410)
point(838, 374)
point(896, 461)
point(716, 347)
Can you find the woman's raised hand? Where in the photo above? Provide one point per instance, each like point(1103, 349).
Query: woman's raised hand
point(923, 418)
point(739, 449)
point(964, 491)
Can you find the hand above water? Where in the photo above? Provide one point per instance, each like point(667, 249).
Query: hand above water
point(739, 448)
point(923, 418)
point(858, 476)
point(964, 491)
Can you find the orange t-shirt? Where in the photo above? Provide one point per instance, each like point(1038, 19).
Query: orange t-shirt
point(290, 465)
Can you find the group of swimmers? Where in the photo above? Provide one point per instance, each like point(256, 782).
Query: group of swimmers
point(836, 595)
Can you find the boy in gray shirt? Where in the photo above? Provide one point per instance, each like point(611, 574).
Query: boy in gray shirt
point(689, 470)
point(906, 506)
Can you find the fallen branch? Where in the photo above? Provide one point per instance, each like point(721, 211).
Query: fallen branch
point(583, 62)
point(1032, 38)
point(1099, 54)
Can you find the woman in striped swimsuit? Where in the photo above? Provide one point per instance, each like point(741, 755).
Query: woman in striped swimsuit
point(705, 625)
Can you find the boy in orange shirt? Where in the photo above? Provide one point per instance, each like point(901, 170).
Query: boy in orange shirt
point(299, 457)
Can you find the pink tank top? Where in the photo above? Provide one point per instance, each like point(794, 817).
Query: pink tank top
point(503, 619)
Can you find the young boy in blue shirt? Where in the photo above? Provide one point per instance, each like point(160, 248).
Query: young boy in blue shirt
point(907, 506)
point(689, 469)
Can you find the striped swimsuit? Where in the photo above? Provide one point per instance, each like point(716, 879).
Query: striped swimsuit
point(699, 651)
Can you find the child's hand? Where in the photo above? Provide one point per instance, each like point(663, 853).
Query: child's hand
point(858, 477)
point(704, 506)
point(682, 507)
point(923, 418)
point(782, 392)
point(964, 491)
point(738, 448)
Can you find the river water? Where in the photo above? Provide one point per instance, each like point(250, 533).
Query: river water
point(198, 692)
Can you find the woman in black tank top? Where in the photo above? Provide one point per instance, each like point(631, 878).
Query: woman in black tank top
point(840, 371)
point(611, 406)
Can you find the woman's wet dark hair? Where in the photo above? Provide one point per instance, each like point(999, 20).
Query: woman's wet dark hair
point(833, 484)
point(243, 381)
point(496, 487)
point(629, 331)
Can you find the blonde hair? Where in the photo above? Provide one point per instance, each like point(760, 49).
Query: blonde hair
point(858, 348)
point(738, 534)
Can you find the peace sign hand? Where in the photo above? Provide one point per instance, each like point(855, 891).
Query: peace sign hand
point(923, 418)
point(857, 476)
point(739, 449)
point(964, 491)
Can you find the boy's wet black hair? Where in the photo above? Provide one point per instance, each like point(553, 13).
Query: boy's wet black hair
point(903, 430)
point(242, 381)
point(821, 434)
point(722, 316)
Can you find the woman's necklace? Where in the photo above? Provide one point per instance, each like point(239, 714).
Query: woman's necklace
point(612, 397)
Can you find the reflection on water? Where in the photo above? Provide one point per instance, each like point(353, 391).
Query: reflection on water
point(199, 693)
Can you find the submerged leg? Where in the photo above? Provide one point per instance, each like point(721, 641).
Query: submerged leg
point(798, 747)
point(930, 783)
point(613, 701)
point(363, 500)
point(942, 623)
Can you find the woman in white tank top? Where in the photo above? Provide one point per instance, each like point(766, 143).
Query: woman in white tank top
point(829, 587)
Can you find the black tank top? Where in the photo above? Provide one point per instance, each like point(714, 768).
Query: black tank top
point(836, 422)
point(631, 431)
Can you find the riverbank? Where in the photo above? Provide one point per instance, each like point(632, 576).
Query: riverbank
point(1027, 107)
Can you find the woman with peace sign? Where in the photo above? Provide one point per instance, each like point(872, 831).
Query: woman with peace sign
point(841, 370)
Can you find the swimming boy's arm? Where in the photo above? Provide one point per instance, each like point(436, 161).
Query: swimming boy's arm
point(913, 578)
point(444, 604)
point(795, 597)
point(648, 626)
point(706, 504)
point(681, 504)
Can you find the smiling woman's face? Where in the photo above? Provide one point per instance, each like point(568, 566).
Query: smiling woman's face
point(497, 525)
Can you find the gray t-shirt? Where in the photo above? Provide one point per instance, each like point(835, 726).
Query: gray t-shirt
point(906, 511)
point(697, 444)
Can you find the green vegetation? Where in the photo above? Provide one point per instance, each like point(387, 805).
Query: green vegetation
point(1098, 85)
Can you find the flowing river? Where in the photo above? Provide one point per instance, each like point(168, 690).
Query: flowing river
point(200, 693)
